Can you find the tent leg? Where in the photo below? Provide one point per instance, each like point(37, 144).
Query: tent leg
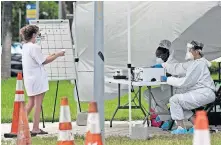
point(78, 99)
point(99, 62)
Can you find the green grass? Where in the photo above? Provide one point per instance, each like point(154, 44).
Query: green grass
point(170, 140)
point(65, 89)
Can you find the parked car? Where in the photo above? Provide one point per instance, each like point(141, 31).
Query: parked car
point(16, 58)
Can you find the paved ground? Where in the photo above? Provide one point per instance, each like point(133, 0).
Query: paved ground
point(120, 128)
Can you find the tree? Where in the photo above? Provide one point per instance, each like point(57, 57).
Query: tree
point(6, 39)
point(16, 5)
point(49, 7)
point(48, 10)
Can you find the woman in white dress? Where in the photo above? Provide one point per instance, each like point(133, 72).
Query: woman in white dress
point(35, 76)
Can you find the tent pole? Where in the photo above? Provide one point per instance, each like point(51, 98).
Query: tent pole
point(99, 62)
point(76, 59)
point(129, 66)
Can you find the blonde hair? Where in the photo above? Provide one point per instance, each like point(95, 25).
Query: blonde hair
point(27, 32)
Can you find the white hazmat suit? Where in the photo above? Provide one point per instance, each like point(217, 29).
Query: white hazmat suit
point(162, 94)
point(196, 87)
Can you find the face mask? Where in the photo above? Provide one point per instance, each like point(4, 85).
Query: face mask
point(189, 56)
point(159, 60)
point(38, 40)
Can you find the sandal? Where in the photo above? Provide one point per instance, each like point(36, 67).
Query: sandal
point(41, 132)
point(33, 133)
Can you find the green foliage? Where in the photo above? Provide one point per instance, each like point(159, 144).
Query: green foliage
point(214, 68)
point(50, 7)
point(15, 18)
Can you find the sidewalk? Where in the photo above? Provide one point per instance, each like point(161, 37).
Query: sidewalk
point(119, 128)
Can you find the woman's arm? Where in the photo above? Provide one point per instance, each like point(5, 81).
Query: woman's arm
point(177, 69)
point(52, 57)
point(40, 58)
point(191, 78)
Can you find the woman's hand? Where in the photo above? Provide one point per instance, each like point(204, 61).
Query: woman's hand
point(157, 66)
point(61, 53)
point(52, 57)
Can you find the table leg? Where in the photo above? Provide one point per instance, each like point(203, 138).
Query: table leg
point(172, 121)
point(171, 89)
point(149, 90)
point(140, 105)
point(146, 118)
point(118, 106)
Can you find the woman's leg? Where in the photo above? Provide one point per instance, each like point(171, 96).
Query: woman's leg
point(36, 120)
point(30, 105)
point(176, 109)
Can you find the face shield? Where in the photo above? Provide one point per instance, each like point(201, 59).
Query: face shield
point(189, 55)
point(198, 47)
point(193, 46)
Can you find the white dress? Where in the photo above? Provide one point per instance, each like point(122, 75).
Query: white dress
point(35, 76)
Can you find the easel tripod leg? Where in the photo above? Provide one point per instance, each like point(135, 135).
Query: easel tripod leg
point(55, 101)
point(43, 120)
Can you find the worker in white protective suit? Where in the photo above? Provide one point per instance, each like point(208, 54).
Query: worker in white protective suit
point(197, 87)
point(162, 94)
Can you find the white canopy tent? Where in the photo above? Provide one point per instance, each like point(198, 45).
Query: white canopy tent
point(151, 22)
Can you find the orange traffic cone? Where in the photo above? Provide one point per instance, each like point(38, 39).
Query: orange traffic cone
point(24, 135)
point(65, 136)
point(201, 129)
point(19, 98)
point(93, 135)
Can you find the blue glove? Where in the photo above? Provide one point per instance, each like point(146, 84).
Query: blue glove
point(157, 119)
point(163, 78)
point(157, 66)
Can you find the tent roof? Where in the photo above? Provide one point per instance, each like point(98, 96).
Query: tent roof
point(207, 29)
point(151, 22)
